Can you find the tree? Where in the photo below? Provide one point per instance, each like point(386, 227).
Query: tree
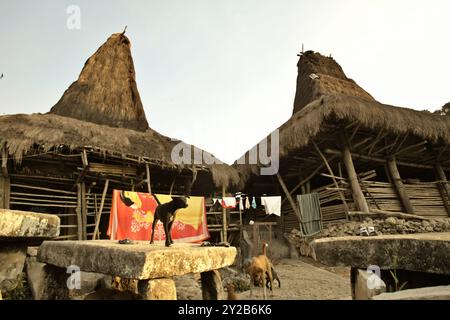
point(444, 111)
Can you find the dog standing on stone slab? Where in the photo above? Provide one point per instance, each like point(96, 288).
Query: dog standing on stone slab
point(166, 213)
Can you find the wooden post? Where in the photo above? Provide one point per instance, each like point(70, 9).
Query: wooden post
point(4, 192)
point(99, 213)
point(147, 169)
point(84, 210)
point(224, 218)
point(397, 180)
point(446, 189)
point(78, 211)
point(358, 196)
point(341, 194)
point(289, 197)
point(4, 160)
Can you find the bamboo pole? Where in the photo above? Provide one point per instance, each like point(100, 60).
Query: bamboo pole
point(397, 180)
point(78, 211)
point(224, 218)
point(4, 160)
point(147, 170)
point(341, 195)
point(84, 209)
point(357, 193)
point(288, 196)
point(99, 213)
point(443, 178)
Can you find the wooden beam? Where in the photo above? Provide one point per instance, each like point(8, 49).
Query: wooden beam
point(357, 194)
point(224, 218)
point(288, 196)
point(411, 147)
point(354, 132)
point(4, 160)
point(99, 213)
point(84, 209)
point(147, 170)
point(341, 195)
point(400, 188)
point(376, 159)
point(78, 212)
point(440, 173)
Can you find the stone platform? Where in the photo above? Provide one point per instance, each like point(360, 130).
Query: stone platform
point(152, 265)
point(27, 226)
point(425, 252)
point(18, 229)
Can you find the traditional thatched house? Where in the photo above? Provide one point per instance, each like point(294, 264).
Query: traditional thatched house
point(359, 155)
point(94, 139)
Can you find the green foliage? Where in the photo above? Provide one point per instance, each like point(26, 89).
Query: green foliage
point(393, 272)
point(241, 285)
point(19, 289)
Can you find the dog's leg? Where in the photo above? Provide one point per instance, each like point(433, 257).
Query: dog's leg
point(264, 286)
point(170, 232)
point(153, 230)
point(167, 232)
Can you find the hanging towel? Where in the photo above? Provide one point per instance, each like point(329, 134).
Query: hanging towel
point(254, 203)
point(272, 205)
point(310, 214)
point(229, 202)
point(241, 204)
point(247, 203)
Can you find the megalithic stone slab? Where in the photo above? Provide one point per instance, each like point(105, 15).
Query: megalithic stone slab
point(136, 261)
point(426, 252)
point(26, 224)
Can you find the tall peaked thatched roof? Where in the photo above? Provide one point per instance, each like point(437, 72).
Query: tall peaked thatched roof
point(333, 99)
point(319, 75)
point(106, 91)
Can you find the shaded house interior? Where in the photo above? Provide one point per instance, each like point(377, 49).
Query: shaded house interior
point(95, 139)
point(358, 154)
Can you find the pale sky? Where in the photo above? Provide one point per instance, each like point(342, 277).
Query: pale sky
point(221, 74)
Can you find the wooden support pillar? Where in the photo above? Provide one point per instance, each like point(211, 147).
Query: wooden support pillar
point(79, 214)
point(288, 196)
point(440, 173)
point(5, 190)
point(4, 160)
point(147, 170)
point(99, 213)
point(358, 196)
point(397, 181)
point(84, 210)
point(224, 218)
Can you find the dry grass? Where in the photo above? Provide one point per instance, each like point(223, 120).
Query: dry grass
point(106, 91)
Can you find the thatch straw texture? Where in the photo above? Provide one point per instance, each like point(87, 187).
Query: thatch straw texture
point(22, 132)
point(106, 91)
point(303, 126)
point(331, 79)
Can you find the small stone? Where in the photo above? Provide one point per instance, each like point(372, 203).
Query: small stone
point(391, 221)
point(425, 223)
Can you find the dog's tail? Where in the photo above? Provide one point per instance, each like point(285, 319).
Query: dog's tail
point(157, 200)
point(264, 249)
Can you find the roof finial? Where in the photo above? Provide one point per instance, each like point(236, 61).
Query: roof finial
point(298, 55)
point(124, 30)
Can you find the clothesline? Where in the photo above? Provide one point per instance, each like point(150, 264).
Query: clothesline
point(272, 204)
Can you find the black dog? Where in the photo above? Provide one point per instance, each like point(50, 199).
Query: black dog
point(275, 277)
point(166, 213)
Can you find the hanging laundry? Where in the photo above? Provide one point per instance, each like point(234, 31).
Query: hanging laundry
point(229, 202)
point(254, 203)
point(247, 203)
point(132, 215)
point(272, 205)
point(241, 204)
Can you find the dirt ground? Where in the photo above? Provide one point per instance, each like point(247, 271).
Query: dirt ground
point(301, 279)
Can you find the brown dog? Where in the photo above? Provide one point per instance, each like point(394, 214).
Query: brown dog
point(260, 270)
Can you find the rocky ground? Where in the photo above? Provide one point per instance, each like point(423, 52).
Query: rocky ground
point(300, 279)
point(390, 225)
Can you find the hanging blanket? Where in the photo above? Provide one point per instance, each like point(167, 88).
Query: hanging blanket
point(132, 217)
point(310, 214)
